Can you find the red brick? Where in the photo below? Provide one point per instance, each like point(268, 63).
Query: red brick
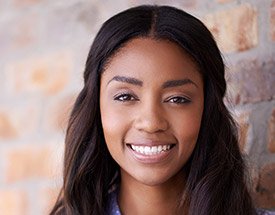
point(7, 129)
point(224, 1)
point(13, 202)
point(57, 114)
point(46, 74)
point(22, 32)
point(13, 121)
point(185, 4)
point(48, 198)
point(244, 126)
point(20, 3)
point(265, 190)
point(29, 162)
point(272, 21)
point(252, 81)
point(25, 33)
point(235, 29)
point(271, 132)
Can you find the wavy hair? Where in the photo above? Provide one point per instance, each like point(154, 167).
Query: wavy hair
point(216, 179)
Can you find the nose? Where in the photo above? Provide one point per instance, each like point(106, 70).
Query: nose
point(150, 118)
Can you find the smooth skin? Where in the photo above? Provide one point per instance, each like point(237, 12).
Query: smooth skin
point(151, 91)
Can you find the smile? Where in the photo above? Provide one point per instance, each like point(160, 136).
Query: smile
point(151, 150)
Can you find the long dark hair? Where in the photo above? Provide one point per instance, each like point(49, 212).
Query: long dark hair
point(215, 171)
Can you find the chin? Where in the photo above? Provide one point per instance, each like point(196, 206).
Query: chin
point(154, 179)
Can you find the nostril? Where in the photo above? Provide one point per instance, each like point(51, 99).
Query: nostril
point(151, 125)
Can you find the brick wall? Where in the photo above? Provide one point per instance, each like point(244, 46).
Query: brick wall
point(44, 45)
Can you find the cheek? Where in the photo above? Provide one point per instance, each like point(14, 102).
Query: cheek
point(188, 133)
point(114, 125)
point(187, 129)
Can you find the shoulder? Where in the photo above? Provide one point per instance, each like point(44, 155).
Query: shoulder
point(113, 208)
point(265, 212)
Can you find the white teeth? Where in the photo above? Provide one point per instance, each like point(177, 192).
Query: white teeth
point(159, 148)
point(147, 150)
point(154, 149)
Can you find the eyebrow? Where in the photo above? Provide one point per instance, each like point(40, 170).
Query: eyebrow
point(128, 80)
point(167, 84)
point(176, 83)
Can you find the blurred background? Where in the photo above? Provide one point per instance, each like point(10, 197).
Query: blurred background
point(43, 49)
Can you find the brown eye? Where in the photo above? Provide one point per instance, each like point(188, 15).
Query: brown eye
point(124, 97)
point(179, 100)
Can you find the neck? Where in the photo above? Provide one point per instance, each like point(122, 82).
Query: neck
point(137, 198)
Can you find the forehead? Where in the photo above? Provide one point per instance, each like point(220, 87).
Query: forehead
point(146, 58)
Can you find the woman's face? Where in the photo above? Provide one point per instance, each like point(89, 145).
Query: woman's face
point(151, 103)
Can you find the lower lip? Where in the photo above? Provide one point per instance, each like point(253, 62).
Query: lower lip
point(151, 159)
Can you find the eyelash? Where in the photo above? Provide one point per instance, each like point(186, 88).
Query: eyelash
point(185, 100)
point(118, 98)
point(128, 95)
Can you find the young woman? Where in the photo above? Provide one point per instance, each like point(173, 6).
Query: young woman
point(149, 132)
